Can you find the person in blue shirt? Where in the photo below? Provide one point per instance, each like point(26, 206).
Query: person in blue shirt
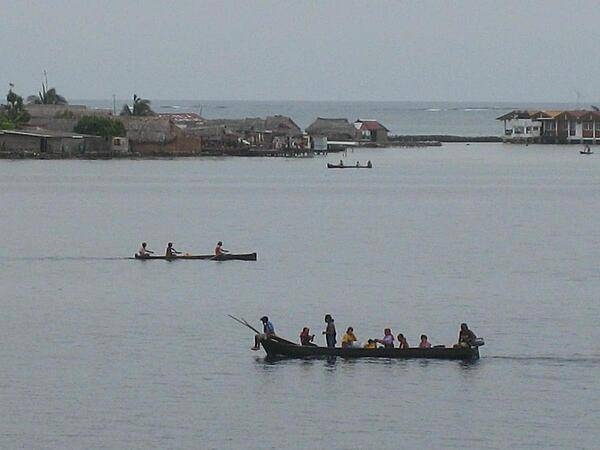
point(268, 331)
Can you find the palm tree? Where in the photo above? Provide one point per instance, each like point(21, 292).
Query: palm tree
point(14, 109)
point(141, 107)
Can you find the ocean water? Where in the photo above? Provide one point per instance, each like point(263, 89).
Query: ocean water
point(463, 119)
point(102, 351)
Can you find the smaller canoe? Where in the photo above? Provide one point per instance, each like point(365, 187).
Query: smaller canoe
point(338, 166)
point(224, 257)
point(586, 153)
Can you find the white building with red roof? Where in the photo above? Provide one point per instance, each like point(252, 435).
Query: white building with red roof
point(371, 131)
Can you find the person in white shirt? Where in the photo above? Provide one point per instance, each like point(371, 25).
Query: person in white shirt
point(143, 251)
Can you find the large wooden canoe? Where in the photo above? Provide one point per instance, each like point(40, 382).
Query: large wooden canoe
point(337, 166)
point(224, 257)
point(278, 349)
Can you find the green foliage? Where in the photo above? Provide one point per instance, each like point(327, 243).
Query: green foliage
point(100, 126)
point(141, 107)
point(47, 97)
point(13, 113)
point(6, 124)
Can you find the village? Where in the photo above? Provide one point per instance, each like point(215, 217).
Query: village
point(48, 127)
point(56, 129)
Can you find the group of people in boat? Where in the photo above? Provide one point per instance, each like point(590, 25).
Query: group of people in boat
point(171, 252)
point(466, 337)
point(369, 164)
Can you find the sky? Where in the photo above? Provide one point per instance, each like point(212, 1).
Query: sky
point(514, 51)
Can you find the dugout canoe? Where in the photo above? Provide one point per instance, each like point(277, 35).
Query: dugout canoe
point(286, 349)
point(337, 166)
point(224, 257)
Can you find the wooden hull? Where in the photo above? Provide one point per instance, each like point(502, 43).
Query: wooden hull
point(282, 350)
point(226, 257)
point(586, 153)
point(337, 166)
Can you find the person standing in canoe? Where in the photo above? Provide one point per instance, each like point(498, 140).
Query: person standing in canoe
point(268, 331)
point(143, 251)
point(330, 332)
point(170, 251)
point(219, 250)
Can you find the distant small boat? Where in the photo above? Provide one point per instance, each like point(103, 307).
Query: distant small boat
point(224, 257)
point(586, 151)
point(343, 166)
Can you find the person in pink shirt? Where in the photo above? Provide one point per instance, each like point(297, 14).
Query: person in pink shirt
point(424, 342)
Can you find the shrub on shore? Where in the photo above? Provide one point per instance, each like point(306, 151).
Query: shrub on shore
point(100, 126)
point(13, 113)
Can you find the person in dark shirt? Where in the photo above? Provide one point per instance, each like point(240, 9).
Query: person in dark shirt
point(466, 338)
point(170, 251)
point(330, 332)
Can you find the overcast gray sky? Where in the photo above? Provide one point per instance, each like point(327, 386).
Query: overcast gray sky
point(500, 50)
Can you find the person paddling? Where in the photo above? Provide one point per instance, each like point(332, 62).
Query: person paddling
point(143, 251)
point(268, 331)
point(219, 250)
point(170, 251)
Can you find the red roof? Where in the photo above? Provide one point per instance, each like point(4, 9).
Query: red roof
point(371, 125)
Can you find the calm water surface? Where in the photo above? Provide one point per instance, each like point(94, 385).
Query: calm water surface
point(100, 351)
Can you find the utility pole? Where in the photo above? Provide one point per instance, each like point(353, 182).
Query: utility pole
point(114, 105)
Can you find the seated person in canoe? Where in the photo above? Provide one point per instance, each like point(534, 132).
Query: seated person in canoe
point(143, 251)
point(371, 344)
point(170, 251)
point(388, 339)
point(424, 342)
point(268, 331)
point(305, 337)
point(402, 342)
point(466, 338)
point(349, 339)
point(369, 165)
point(219, 250)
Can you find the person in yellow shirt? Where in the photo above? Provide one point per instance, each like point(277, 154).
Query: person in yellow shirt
point(349, 338)
point(371, 344)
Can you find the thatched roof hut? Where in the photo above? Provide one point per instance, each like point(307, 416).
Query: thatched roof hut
point(333, 129)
